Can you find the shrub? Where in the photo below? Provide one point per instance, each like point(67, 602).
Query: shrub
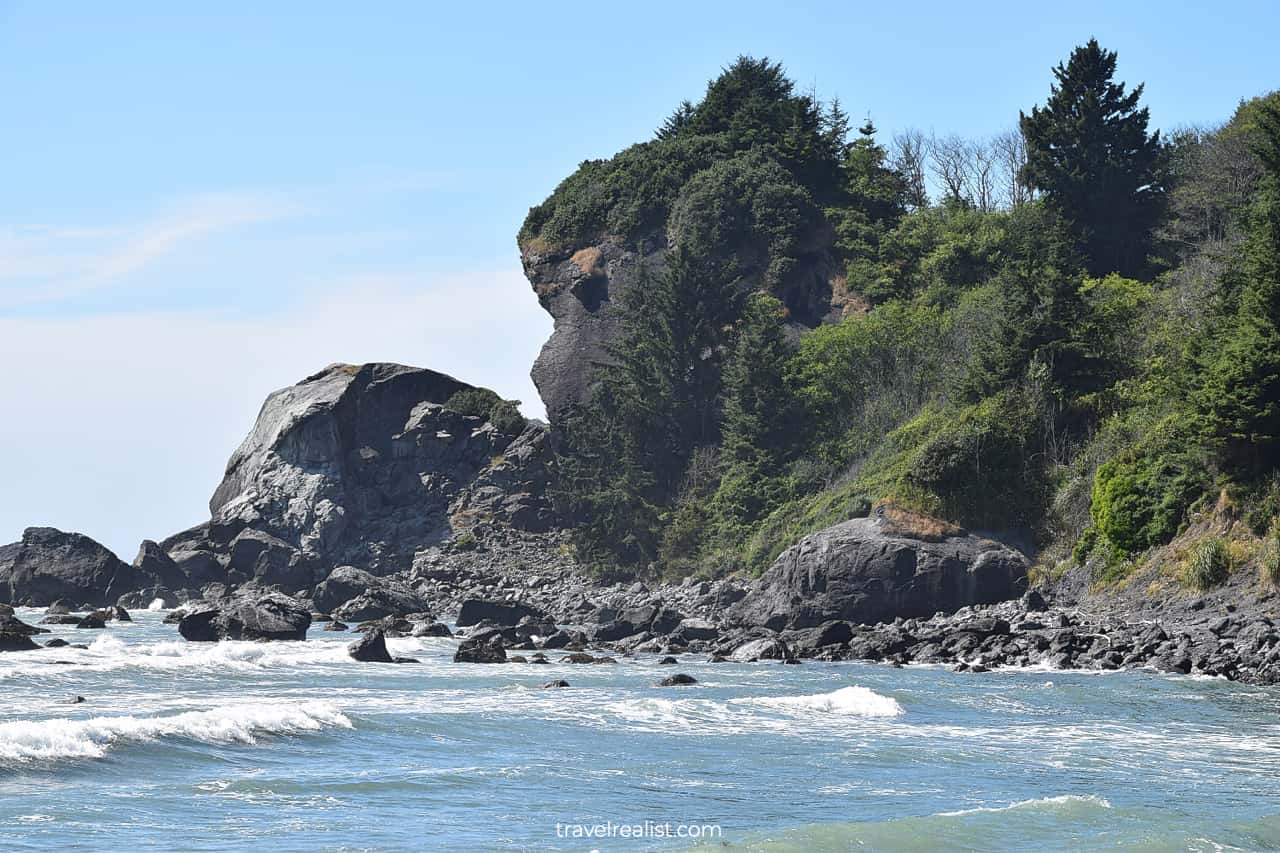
point(1210, 565)
point(466, 541)
point(1140, 497)
point(1271, 555)
point(483, 403)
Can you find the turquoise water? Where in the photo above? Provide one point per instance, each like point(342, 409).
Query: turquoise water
point(293, 746)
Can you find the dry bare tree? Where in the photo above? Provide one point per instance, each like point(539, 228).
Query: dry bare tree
point(908, 155)
point(952, 159)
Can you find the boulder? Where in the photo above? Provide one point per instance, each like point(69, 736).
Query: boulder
point(93, 620)
point(371, 648)
point(335, 625)
point(559, 682)
point(356, 596)
point(49, 564)
point(765, 648)
point(362, 465)
point(15, 635)
point(503, 614)
point(677, 680)
point(158, 568)
point(250, 614)
point(866, 571)
point(484, 648)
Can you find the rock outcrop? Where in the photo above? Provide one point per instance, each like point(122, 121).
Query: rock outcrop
point(578, 286)
point(864, 570)
point(49, 564)
point(361, 466)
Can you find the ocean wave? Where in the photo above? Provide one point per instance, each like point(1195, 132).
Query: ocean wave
point(1040, 803)
point(853, 700)
point(29, 741)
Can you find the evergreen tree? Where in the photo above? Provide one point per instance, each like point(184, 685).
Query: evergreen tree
point(757, 422)
point(1088, 151)
point(1240, 396)
point(657, 399)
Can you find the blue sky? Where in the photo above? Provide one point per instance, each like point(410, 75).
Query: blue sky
point(197, 207)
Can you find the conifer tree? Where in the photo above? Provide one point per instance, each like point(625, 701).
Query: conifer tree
point(1240, 396)
point(1089, 152)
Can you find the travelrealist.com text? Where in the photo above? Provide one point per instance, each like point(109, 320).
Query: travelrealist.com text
point(645, 829)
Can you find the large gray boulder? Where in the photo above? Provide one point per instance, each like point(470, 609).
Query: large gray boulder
point(361, 465)
point(249, 614)
point(864, 570)
point(351, 594)
point(49, 564)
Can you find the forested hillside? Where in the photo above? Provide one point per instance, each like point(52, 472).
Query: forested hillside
point(1069, 333)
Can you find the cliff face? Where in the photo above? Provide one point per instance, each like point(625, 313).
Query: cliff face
point(580, 288)
point(361, 465)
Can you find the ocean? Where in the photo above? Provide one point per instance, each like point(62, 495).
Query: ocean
point(294, 746)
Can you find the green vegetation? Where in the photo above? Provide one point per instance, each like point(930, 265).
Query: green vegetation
point(483, 403)
point(1210, 565)
point(1081, 349)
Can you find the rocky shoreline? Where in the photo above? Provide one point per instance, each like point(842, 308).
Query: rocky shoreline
point(361, 497)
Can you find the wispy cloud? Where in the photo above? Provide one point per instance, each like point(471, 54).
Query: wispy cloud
point(42, 264)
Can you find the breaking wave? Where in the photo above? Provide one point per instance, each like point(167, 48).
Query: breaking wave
point(23, 742)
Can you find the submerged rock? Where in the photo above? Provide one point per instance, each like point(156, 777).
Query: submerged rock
point(677, 680)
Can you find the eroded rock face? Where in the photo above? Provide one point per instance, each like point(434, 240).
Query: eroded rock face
point(858, 572)
point(578, 287)
point(362, 466)
point(49, 564)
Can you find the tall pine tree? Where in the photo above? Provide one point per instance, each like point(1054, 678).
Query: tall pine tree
point(1089, 152)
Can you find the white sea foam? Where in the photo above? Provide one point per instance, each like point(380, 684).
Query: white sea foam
point(47, 740)
point(852, 700)
point(156, 604)
point(1064, 800)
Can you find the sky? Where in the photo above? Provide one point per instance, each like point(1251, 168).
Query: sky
point(202, 202)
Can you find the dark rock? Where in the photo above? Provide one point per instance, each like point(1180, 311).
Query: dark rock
point(335, 625)
point(362, 466)
point(356, 595)
point(695, 629)
point(667, 661)
point(517, 659)
point(250, 614)
point(433, 629)
point(765, 648)
point(865, 570)
point(615, 630)
point(371, 648)
point(61, 619)
point(56, 643)
point(485, 648)
point(475, 611)
point(159, 569)
point(1033, 602)
point(15, 635)
point(72, 700)
point(93, 620)
point(578, 657)
point(49, 564)
point(559, 682)
point(677, 680)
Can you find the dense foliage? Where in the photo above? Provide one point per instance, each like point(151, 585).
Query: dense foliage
point(1083, 363)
